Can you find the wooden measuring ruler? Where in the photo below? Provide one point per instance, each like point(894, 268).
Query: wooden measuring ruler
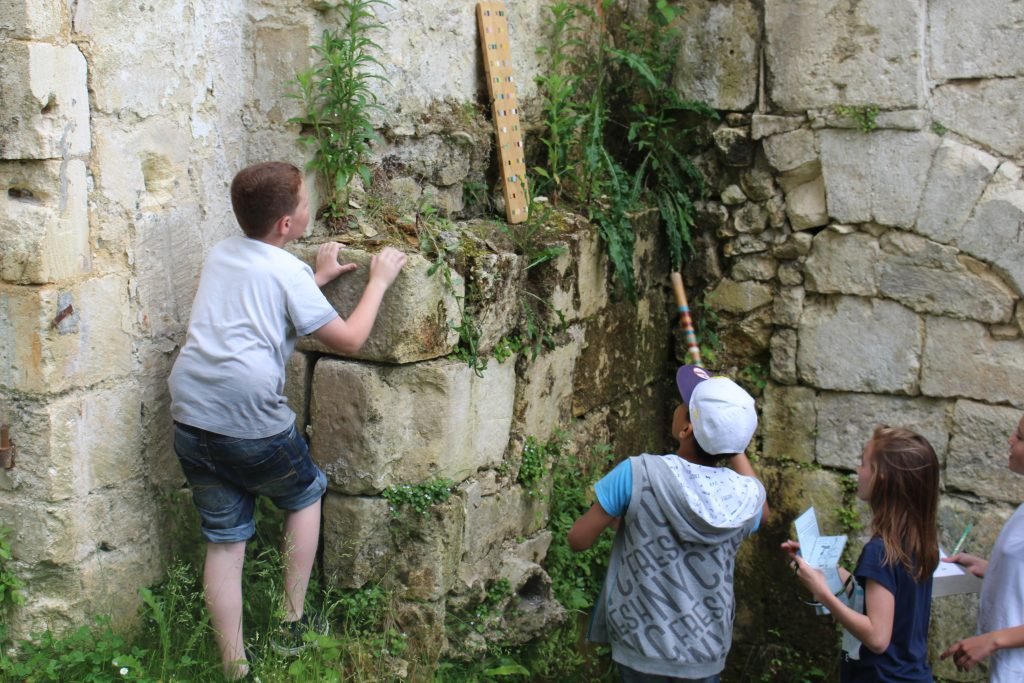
point(493, 23)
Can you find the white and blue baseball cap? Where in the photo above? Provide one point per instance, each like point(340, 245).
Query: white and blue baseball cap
point(721, 412)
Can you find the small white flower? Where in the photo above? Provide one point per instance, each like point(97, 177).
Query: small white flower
point(124, 671)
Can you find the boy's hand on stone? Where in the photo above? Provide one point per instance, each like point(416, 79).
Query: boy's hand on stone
point(384, 267)
point(327, 267)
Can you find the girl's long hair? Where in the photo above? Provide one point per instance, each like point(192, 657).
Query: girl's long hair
point(904, 499)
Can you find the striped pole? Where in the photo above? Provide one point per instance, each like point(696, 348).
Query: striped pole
point(684, 318)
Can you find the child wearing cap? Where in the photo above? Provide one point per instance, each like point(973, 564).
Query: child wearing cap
point(667, 604)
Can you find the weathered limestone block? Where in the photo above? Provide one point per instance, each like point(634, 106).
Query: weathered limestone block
point(796, 245)
point(791, 273)
point(931, 278)
point(794, 155)
point(532, 611)
point(991, 234)
point(297, 386)
point(41, 533)
point(788, 305)
point(33, 19)
point(575, 282)
point(757, 267)
point(415, 318)
point(806, 205)
point(975, 40)
point(496, 289)
point(822, 489)
point(876, 177)
point(376, 425)
point(783, 346)
point(875, 37)
point(957, 178)
point(279, 52)
point(764, 125)
point(733, 195)
point(719, 44)
point(89, 344)
point(744, 244)
point(834, 333)
point(624, 348)
point(961, 360)
point(739, 297)
point(357, 539)
point(987, 111)
point(979, 454)
point(45, 111)
point(757, 181)
point(847, 421)
point(44, 221)
point(427, 549)
point(750, 218)
point(544, 389)
point(788, 423)
point(842, 262)
point(491, 520)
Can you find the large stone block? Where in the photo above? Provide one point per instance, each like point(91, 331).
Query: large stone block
point(783, 347)
point(979, 452)
point(297, 386)
point(44, 221)
point(992, 232)
point(279, 54)
point(45, 110)
point(961, 359)
point(52, 340)
point(364, 541)
point(33, 19)
point(957, 178)
point(805, 204)
point(576, 282)
point(818, 53)
point(376, 425)
point(877, 177)
point(491, 520)
point(496, 289)
point(975, 39)
point(853, 344)
point(788, 423)
point(415, 318)
point(739, 297)
point(720, 42)
point(847, 421)
point(842, 263)
point(931, 278)
point(987, 111)
point(357, 539)
point(544, 390)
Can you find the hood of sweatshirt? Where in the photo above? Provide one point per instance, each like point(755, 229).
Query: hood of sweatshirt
point(702, 504)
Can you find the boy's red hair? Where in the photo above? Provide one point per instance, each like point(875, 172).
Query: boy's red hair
point(262, 193)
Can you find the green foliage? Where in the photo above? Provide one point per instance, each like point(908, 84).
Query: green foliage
point(863, 115)
point(337, 100)
point(938, 128)
point(537, 458)
point(10, 584)
point(618, 129)
point(417, 497)
point(93, 654)
point(754, 376)
point(847, 513)
point(534, 335)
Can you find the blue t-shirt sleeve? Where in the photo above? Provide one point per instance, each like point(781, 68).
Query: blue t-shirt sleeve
point(871, 566)
point(615, 489)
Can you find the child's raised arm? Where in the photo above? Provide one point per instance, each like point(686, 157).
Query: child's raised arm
point(740, 464)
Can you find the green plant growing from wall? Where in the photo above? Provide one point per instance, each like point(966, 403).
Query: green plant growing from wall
point(865, 116)
point(630, 129)
point(337, 100)
point(418, 498)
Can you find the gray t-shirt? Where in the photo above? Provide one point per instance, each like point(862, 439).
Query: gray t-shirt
point(254, 300)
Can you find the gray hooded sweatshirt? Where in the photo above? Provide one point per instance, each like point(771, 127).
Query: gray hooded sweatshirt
point(667, 603)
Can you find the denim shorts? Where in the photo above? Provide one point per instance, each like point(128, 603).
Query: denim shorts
point(226, 474)
point(628, 675)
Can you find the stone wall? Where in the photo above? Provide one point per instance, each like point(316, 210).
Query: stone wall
point(869, 266)
point(863, 276)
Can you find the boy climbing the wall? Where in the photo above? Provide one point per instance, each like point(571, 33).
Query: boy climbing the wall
point(234, 434)
point(667, 604)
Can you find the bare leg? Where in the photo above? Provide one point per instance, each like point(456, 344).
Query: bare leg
point(222, 581)
point(301, 537)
